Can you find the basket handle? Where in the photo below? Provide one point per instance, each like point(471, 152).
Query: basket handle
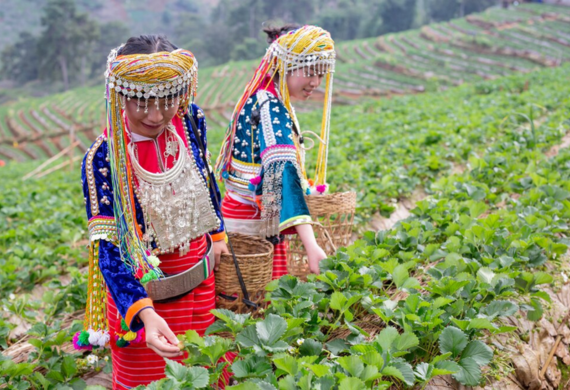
point(245, 300)
point(325, 233)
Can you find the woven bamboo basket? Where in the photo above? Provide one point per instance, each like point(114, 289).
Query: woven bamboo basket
point(255, 259)
point(333, 217)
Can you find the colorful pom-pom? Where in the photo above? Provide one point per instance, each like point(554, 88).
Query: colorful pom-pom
point(255, 180)
point(124, 325)
point(321, 188)
point(225, 174)
point(140, 336)
point(308, 191)
point(154, 261)
point(83, 339)
point(130, 336)
point(121, 343)
point(150, 275)
point(77, 344)
point(311, 182)
point(139, 273)
point(251, 187)
point(104, 339)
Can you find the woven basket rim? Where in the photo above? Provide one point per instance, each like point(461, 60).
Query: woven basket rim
point(261, 242)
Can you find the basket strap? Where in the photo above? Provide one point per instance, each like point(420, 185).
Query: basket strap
point(246, 300)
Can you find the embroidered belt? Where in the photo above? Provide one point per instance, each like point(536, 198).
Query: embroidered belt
point(173, 287)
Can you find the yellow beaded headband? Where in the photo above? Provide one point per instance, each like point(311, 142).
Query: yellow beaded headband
point(161, 75)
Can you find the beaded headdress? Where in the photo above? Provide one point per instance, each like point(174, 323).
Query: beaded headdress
point(297, 52)
point(171, 76)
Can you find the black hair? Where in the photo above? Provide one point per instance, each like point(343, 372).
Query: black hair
point(147, 44)
point(274, 32)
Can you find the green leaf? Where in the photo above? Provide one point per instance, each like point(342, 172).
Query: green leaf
point(500, 309)
point(446, 367)
point(407, 372)
point(424, 371)
point(193, 337)
point(351, 384)
point(469, 373)
point(338, 301)
point(248, 337)
point(352, 364)
point(175, 370)
point(337, 346)
point(393, 372)
point(452, 340)
point(478, 351)
point(216, 348)
point(310, 347)
point(439, 358)
point(271, 329)
point(386, 337)
point(288, 364)
point(198, 377)
point(537, 312)
point(400, 275)
point(248, 385)
point(542, 278)
point(461, 324)
point(542, 295)
point(481, 323)
point(69, 367)
point(406, 341)
point(485, 275)
point(287, 383)
point(373, 358)
point(370, 373)
point(320, 370)
point(252, 366)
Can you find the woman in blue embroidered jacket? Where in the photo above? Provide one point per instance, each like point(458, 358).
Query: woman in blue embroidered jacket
point(149, 202)
point(262, 158)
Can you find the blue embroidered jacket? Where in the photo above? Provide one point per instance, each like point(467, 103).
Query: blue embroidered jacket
point(128, 293)
point(268, 147)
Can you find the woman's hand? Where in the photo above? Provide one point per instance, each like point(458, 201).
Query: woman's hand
point(219, 248)
point(159, 337)
point(315, 255)
point(314, 252)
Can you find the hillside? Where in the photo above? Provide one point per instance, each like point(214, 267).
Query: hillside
point(482, 46)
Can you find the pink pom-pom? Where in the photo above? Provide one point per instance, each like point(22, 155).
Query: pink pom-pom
point(321, 188)
point(75, 340)
point(78, 346)
point(140, 337)
point(255, 181)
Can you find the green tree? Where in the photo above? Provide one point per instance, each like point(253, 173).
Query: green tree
point(66, 42)
point(19, 60)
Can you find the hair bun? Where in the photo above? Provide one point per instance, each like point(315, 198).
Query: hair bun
point(273, 33)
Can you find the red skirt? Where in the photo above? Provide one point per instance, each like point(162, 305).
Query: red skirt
point(136, 364)
point(232, 208)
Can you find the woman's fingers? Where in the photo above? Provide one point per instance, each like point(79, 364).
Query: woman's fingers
point(163, 347)
point(219, 248)
point(164, 353)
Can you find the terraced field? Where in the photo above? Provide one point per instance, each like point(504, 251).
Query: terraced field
point(492, 44)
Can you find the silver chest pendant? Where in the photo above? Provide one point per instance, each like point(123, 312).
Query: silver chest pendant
point(176, 203)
